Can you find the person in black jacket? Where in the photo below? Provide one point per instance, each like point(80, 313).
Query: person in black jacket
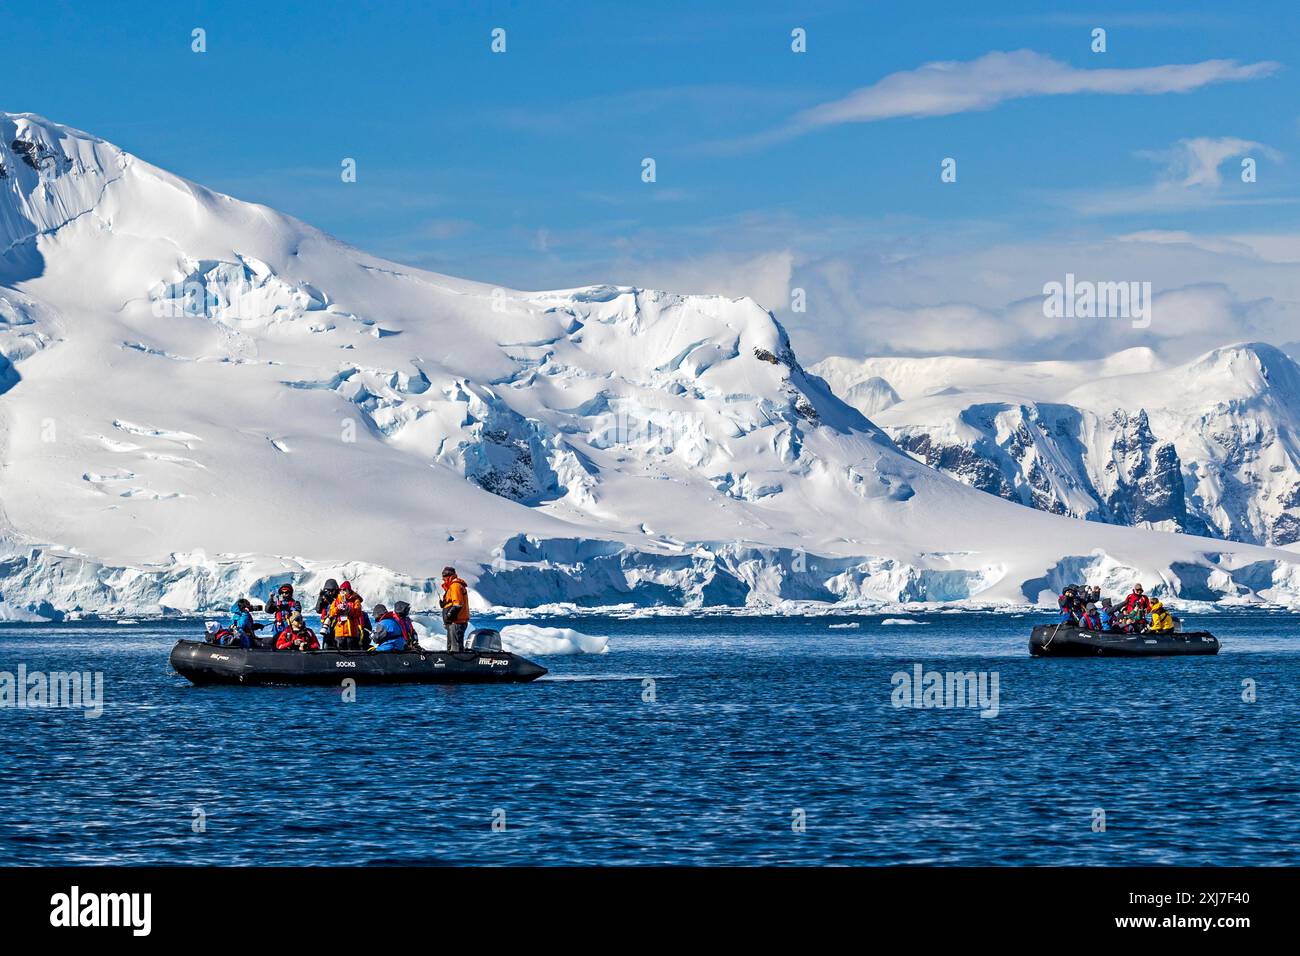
point(327, 595)
point(1069, 604)
point(323, 602)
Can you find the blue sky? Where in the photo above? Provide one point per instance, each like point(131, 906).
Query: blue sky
point(775, 170)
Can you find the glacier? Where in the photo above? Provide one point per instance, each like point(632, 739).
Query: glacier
point(202, 398)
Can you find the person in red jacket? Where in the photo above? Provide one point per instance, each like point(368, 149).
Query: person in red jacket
point(1137, 599)
point(284, 606)
point(297, 636)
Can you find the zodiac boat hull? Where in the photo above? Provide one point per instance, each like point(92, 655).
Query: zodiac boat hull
point(1051, 640)
point(203, 663)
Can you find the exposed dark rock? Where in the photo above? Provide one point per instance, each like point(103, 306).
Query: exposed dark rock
point(1153, 489)
point(784, 357)
point(1291, 499)
point(36, 155)
point(1285, 530)
point(960, 462)
point(508, 456)
point(1044, 454)
point(1043, 495)
point(510, 473)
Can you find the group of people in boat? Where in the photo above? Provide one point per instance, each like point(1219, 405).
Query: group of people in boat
point(1083, 606)
point(345, 624)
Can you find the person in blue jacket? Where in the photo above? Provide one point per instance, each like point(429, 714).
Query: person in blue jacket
point(243, 628)
point(389, 634)
point(1107, 615)
point(402, 611)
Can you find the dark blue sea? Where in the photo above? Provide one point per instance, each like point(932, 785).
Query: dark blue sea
point(762, 740)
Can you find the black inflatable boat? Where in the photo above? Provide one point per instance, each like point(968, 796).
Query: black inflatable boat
point(1064, 640)
point(204, 663)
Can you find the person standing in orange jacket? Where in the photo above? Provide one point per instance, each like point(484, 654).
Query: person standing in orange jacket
point(455, 608)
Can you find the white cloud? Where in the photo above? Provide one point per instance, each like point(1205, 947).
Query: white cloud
point(1270, 248)
point(986, 299)
point(1196, 162)
point(764, 277)
point(943, 88)
point(1191, 177)
point(444, 229)
point(912, 287)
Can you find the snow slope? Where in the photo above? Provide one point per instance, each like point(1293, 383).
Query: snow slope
point(203, 397)
point(1210, 446)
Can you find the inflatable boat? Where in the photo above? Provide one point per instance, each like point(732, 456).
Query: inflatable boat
point(1065, 640)
point(203, 663)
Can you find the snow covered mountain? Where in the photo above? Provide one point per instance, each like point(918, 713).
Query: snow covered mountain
point(203, 397)
point(1209, 447)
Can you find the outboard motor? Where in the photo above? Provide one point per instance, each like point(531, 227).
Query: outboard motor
point(484, 639)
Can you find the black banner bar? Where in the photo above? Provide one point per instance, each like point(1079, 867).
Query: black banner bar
point(231, 906)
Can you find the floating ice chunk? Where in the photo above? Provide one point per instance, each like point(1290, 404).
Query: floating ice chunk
point(8, 612)
point(527, 639)
point(901, 620)
point(542, 641)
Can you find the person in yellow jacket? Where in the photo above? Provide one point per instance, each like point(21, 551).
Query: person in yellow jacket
point(1161, 619)
point(455, 608)
point(348, 621)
